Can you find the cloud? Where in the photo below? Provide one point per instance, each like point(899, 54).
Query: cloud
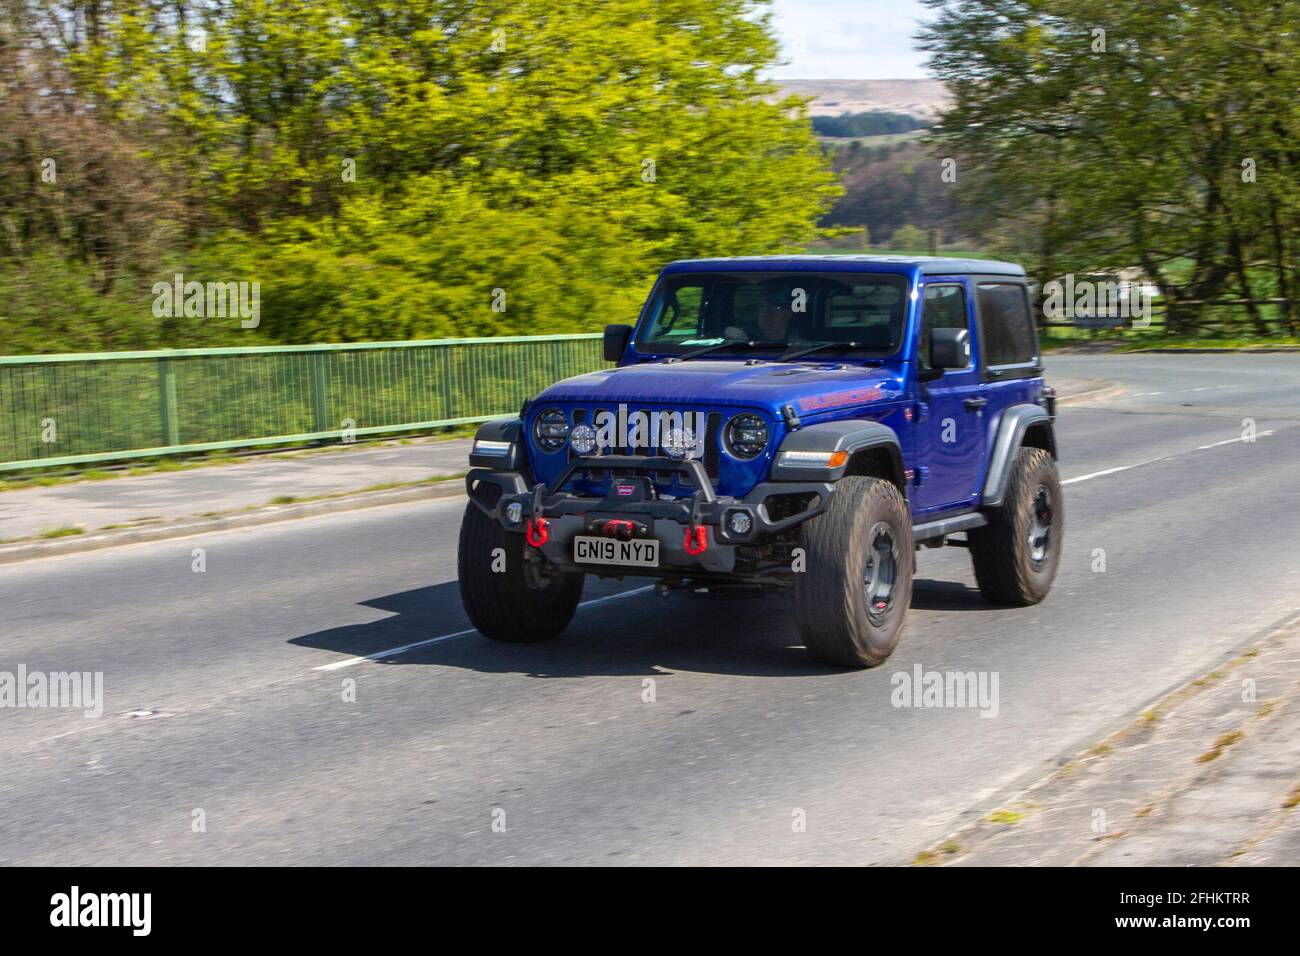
point(848, 39)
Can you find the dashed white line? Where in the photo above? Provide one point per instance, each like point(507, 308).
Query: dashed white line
point(1111, 471)
point(1232, 441)
point(395, 651)
point(1152, 461)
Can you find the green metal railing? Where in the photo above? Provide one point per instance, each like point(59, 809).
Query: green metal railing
point(83, 408)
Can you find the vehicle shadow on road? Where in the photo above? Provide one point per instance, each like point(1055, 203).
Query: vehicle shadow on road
point(643, 635)
point(928, 595)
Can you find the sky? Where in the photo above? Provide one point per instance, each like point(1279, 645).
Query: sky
point(848, 39)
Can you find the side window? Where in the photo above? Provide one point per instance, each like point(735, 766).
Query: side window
point(1006, 327)
point(944, 308)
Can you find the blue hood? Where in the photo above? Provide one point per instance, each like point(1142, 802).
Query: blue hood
point(813, 388)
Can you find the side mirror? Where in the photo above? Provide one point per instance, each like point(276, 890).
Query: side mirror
point(616, 339)
point(949, 348)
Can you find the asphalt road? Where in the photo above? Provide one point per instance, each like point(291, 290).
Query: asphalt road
point(225, 690)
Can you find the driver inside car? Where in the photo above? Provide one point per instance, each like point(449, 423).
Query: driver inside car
point(774, 315)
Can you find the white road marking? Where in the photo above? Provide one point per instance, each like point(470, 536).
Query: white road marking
point(1110, 471)
point(1152, 461)
point(395, 651)
point(1231, 441)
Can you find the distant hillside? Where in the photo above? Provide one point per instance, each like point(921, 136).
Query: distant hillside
point(890, 186)
point(923, 99)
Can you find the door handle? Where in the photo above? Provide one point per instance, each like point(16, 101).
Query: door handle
point(974, 404)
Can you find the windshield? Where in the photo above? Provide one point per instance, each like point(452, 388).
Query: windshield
point(863, 312)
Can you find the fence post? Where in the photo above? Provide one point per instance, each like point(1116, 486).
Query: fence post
point(167, 411)
point(320, 392)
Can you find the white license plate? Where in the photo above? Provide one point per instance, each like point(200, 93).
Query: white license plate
point(637, 553)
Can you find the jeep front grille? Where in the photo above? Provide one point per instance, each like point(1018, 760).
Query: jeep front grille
point(713, 424)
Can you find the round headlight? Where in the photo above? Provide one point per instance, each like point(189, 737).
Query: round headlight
point(551, 429)
point(678, 442)
point(746, 436)
point(583, 439)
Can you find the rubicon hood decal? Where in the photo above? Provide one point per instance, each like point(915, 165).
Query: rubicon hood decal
point(852, 396)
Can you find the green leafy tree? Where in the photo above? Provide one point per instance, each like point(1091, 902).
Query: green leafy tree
point(1109, 134)
point(382, 167)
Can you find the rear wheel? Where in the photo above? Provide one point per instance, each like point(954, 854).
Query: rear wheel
point(505, 598)
point(852, 597)
point(1016, 554)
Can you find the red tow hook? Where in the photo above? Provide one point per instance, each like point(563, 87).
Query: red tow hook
point(539, 526)
point(697, 541)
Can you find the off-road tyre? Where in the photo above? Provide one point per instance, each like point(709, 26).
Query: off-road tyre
point(866, 531)
point(1016, 554)
point(515, 605)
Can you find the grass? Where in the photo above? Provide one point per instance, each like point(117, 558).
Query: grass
point(369, 489)
point(63, 532)
point(1131, 340)
point(277, 500)
point(153, 466)
point(1221, 743)
point(1211, 342)
point(1005, 817)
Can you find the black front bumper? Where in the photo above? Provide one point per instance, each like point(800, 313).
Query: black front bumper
point(568, 514)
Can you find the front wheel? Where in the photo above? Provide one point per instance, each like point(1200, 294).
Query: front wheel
point(504, 598)
point(1017, 552)
point(851, 598)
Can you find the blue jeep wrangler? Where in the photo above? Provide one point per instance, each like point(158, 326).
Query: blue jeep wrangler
point(802, 423)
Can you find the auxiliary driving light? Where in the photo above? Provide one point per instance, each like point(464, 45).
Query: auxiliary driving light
point(739, 523)
point(514, 512)
point(583, 439)
point(678, 443)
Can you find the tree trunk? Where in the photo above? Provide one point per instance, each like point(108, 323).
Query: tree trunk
point(1239, 265)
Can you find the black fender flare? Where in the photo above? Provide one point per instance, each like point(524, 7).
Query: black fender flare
point(501, 430)
point(1013, 423)
point(478, 480)
point(851, 436)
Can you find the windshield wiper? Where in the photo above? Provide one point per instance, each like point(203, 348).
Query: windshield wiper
point(817, 347)
point(748, 343)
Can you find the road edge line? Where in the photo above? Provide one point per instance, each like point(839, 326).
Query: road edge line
point(188, 527)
